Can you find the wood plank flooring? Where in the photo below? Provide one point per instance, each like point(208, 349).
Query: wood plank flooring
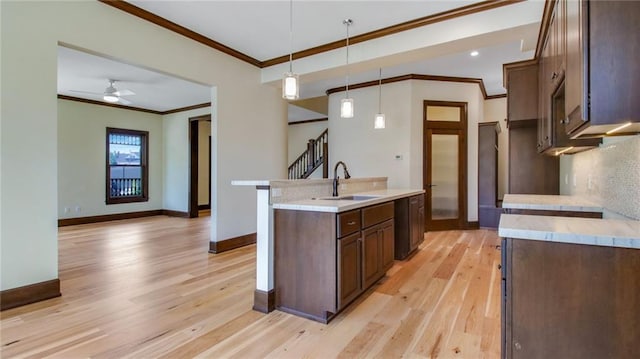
point(147, 288)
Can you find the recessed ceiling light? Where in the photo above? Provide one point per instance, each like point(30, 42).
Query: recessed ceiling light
point(474, 53)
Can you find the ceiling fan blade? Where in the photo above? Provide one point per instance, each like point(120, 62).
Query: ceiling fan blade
point(125, 93)
point(88, 92)
point(123, 101)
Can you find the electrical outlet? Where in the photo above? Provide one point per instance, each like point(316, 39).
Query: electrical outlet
point(67, 209)
point(78, 209)
point(589, 182)
point(566, 179)
point(276, 192)
point(575, 180)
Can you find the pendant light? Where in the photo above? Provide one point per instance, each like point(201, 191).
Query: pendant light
point(379, 122)
point(290, 83)
point(346, 104)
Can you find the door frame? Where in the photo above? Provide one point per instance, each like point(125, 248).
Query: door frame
point(193, 163)
point(446, 127)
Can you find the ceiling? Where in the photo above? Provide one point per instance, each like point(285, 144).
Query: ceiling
point(260, 30)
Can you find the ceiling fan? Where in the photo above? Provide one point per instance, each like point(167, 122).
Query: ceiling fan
point(111, 94)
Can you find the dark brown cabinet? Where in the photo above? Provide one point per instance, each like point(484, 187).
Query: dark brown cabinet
point(552, 81)
point(409, 229)
point(563, 300)
point(521, 82)
point(488, 211)
point(323, 261)
point(603, 76)
point(416, 221)
point(529, 171)
point(349, 268)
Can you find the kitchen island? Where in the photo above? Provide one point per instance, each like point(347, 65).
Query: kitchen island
point(570, 287)
point(329, 250)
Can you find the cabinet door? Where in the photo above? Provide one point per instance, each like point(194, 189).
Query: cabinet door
point(544, 102)
point(416, 221)
point(575, 83)
point(386, 239)
point(371, 256)
point(522, 93)
point(349, 267)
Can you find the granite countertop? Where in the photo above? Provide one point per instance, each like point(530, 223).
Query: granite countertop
point(592, 231)
point(550, 203)
point(341, 205)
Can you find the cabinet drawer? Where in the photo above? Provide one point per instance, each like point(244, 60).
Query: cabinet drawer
point(348, 222)
point(376, 214)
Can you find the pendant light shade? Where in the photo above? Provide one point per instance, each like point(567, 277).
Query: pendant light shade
point(290, 86)
point(379, 121)
point(346, 108)
point(346, 104)
point(290, 83)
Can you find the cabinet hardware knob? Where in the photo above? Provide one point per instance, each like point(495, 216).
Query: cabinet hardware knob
point(351, 223)
point(499, 266)
point(554, 75)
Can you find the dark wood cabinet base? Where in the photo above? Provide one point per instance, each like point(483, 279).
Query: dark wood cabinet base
point(570, 300)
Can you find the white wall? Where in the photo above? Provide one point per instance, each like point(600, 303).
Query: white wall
point(369, 153)
point(249, 140)
point(176, 158)
point(204, 171)
point(82, 156)
point(496, 110)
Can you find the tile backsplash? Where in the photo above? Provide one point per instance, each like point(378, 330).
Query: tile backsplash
point(293, 190)
point(608, 175)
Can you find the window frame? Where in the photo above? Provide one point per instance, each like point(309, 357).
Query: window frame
point(144, 167)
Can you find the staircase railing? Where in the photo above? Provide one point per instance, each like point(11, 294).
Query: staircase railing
point(314, 156)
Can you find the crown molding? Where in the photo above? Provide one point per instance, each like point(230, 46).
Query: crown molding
point(131, 108)
point(408, 25)
point(419, 77)
point(172, 26)
point(394, 29)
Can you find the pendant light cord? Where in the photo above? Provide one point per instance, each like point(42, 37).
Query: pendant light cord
point(380, 91)
point(348, 23)
point(291, 36)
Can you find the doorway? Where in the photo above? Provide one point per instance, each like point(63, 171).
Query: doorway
point(199, 165)
point(445, 164)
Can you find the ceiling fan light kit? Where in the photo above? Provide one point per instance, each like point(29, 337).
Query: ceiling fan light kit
point(346, 104)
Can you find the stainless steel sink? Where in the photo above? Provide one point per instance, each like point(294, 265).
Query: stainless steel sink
point(348, 198)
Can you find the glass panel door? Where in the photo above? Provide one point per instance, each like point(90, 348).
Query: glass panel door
point(444, 177)
point(445, 165)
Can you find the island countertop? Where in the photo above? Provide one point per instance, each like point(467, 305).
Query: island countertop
point(550, 203)
point(591, 231)
point(341, 205)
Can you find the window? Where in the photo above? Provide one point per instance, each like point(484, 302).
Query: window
point(127, 172)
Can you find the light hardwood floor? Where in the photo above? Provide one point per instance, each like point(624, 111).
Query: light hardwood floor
point(147, 288)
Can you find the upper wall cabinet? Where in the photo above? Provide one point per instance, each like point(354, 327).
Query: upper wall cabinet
point(602, 74)
point(553, 78)
point(521, 82)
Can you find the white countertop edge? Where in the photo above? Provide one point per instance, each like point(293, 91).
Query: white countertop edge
point(336, 206)
point(549, 203)
point(553, 207)
point(250, 182)
point(610, 233)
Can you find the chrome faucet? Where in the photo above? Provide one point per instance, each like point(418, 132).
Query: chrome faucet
point(335, 176)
